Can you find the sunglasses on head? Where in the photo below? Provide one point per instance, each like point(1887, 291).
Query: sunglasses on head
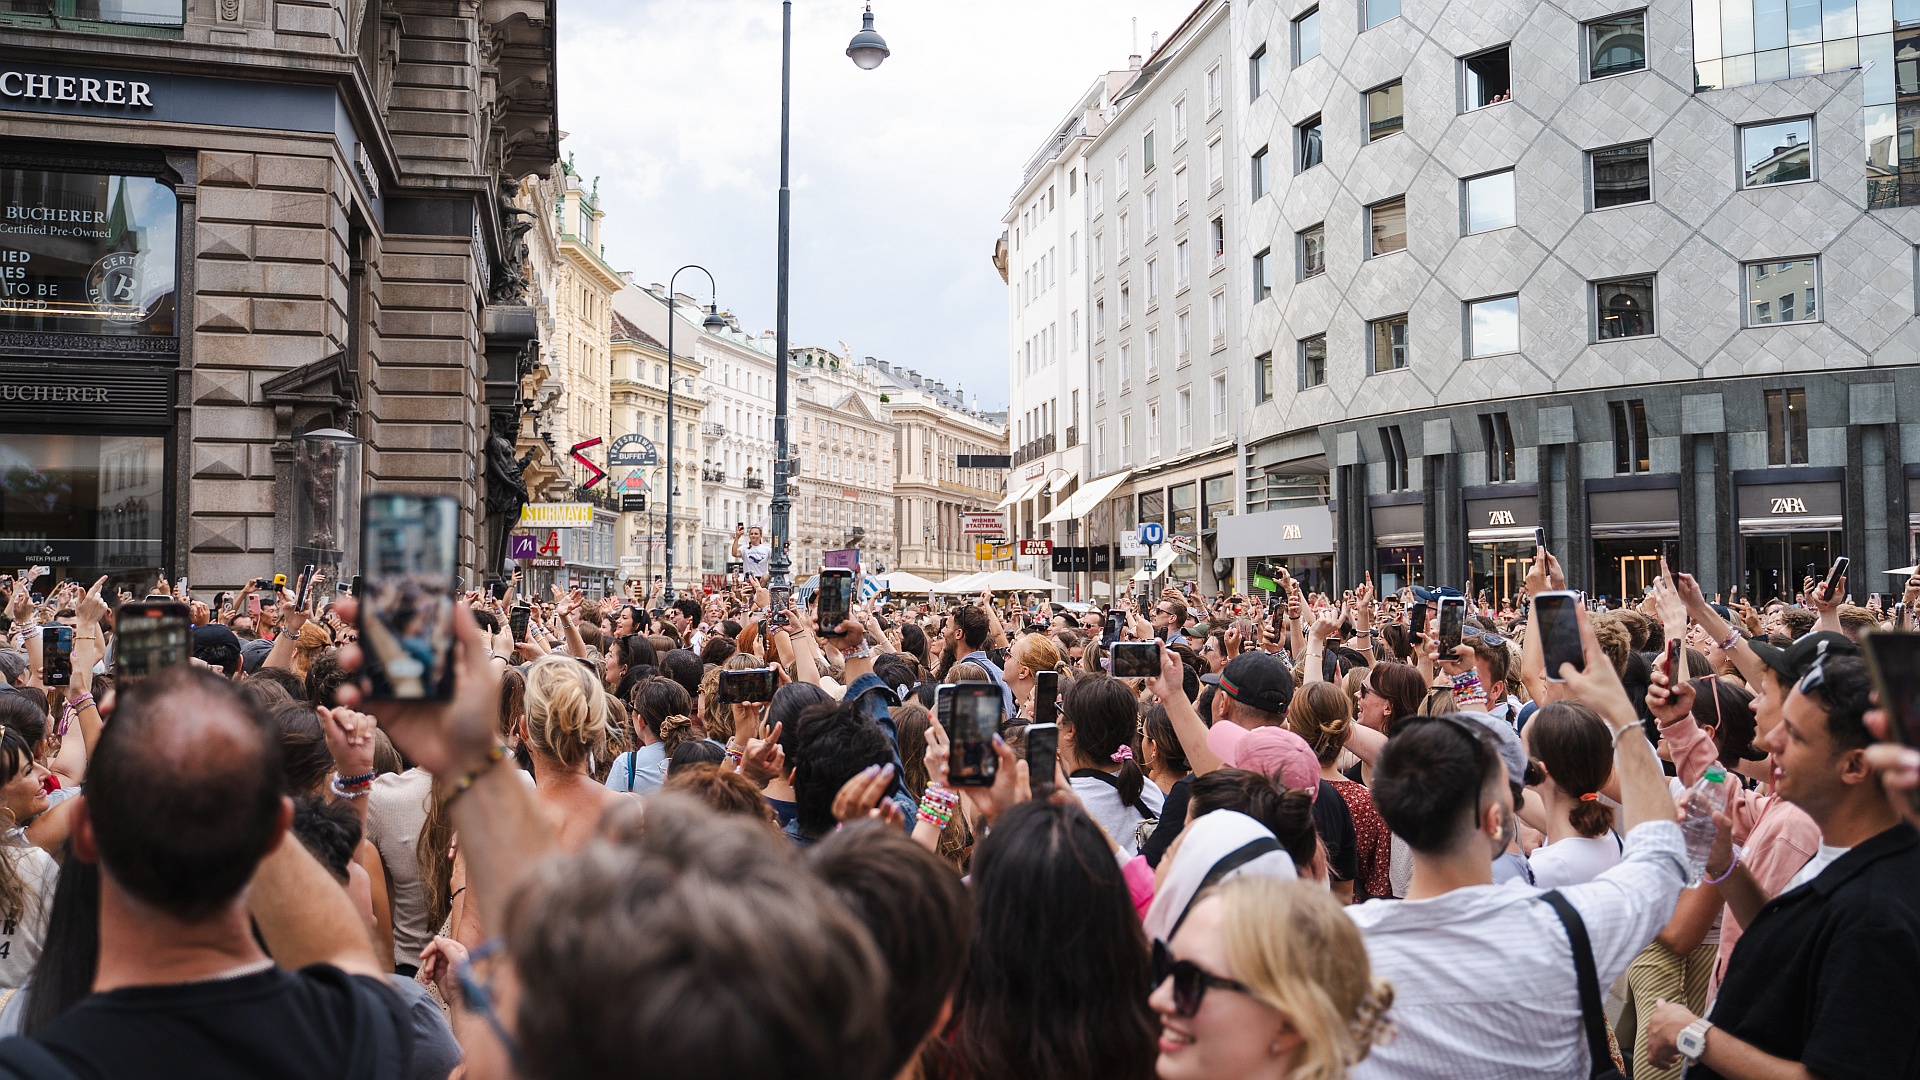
point(1489, 638)
point(1190, 981)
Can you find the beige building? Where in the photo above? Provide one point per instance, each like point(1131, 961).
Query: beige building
point(639, 394)
point(932, 427)
point(843, 467)
point(265, 217)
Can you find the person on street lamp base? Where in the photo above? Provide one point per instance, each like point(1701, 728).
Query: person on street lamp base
point(756, 555)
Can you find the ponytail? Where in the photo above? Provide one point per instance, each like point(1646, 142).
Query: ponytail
point(1577, 751)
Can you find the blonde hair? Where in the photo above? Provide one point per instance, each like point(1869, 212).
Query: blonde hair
point(1295, 950)
point(966, 671)
point(567, 715)
point(1322, 714)
point(1038, 652)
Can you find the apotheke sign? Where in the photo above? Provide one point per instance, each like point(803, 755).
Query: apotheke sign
point(79, 89)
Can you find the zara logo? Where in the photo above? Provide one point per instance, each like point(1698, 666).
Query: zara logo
point(1788, 506)
point(1290, 532)
point(1499, 517)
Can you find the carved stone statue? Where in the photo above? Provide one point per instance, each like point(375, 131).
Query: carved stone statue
point(509, 284)
point(506, 491)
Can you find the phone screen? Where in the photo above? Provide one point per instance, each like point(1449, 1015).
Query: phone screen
point(1420, 612)
point(410, 544)
point(836, 599)
point(746, 685)
point(1046, 697)
point(1671, 662)
point(779, 596)
point(1136, 659)
point(975, 713)
point(1559, 618)
point(1893, 658)
point(1453, 619)
point(517, 619)
point(56, 652)
point(1116, 624)
point(1043, 752)
point(150, 635)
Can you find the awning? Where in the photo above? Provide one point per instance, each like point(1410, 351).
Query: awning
point(1061, 479)
point(1087, 498)
point(1022, 495)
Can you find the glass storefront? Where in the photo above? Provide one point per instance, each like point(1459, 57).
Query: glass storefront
point(1776, 564)
point(83, 506)
point(1401, 567)
point(1184, 522)
point(1500, 569)
point(1624, 569)
point(86, 253)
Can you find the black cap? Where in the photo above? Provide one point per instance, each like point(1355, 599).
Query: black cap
point(1428, 596)
point(212, 637)
point(1792, 662)
point(1256, 679)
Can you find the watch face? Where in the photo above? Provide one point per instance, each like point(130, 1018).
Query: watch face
point(1692, 1041)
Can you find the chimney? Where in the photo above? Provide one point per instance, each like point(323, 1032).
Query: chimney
point(1153, 43)
point(1133, 62)
point(627, 276)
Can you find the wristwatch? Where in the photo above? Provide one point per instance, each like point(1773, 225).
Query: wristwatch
point(1692, 1040)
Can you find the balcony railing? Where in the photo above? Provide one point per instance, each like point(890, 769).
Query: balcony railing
point(1035, 448)
point(713, 476)
point(711, 430)
point(755, 483)
point(1073, 436)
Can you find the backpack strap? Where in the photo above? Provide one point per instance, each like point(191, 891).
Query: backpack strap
point(1233, 860)
point(1591, 1014)
point(1107, 778)
point(23, 1058)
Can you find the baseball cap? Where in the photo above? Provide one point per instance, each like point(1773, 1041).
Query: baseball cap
point(214, 636)
point(1270, 751)
point(1793, 661)
point(254, 653)
point(1428, 596)
point(1506, 740)
point(1257, 679)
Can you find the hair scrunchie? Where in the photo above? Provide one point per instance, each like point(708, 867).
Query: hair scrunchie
point(1125, 753)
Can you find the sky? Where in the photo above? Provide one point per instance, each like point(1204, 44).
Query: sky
point(900, 175)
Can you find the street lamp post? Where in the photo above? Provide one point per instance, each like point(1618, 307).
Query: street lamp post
point(712, 323)
point(867, 50)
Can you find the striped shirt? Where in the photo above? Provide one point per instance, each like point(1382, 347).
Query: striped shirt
point(1483, 977)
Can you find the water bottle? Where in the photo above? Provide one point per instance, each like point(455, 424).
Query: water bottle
point(1707, 796)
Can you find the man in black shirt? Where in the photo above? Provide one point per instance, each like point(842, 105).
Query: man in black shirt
point(184, 813)
point(1826, 979)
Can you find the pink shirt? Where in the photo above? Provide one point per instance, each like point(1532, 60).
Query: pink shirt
point(1139, 878)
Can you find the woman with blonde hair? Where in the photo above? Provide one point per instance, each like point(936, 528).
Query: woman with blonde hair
point(565, 728)
point(1266, 979)
point(1029, 656)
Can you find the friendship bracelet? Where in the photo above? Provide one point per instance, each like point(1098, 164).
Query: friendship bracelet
point(460, 787)
point(937, 805)
point(351, 787)
point(1733, 638)
point(1725, 874)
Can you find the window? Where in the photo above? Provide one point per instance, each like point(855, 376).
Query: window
point(1073, 253)
point(1493, 326)
point(1375, 12)
point(1120, 172)
point(1306, 37)
point(1126, 304)
point(1153, 430)
point(1126, 236)
point(1153, 284)
point(1099, 254)
point(1618, 44)
point(1126, 368)
point(1488, 79)
point(1213, 88)
point(1623, 308)
point(1183, 418)
point(1073, 332)
point(1153, 355)
point(1100, 447)
point(1217, 241)
point(1388, 340)
point(1307, 138)
point(1182, 336)
point(1179, 121)
point(1258, 177)
point(1630, 452)
point(1218, 400)
point(1151, 202)
point(1257, 74)
point(1783, 292)
point(1262, 282)
point(1386, 111)
point(1313, 251)
point(1073, 181)
point(1489, 201)
point(1099, 320)
point(1786, 427)
point(1263, 378)
point(1098, 190)
point(1621, 175)
point(1394, 451)
point(1182, 264)
point(1313, 362)
point(1216, 166)
point(1179, 192)
point(1126, 438)
point(1099, 379)
point(1218, 305)
point(1497, 433)
point(1776, 153)
point(1387, 226)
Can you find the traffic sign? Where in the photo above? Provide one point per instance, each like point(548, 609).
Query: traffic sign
point(1036, 547)
point(983, 551)
point(985, 523)
point(1153, 533)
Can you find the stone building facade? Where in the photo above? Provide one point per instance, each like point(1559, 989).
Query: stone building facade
point(231, 223)
point(842, 441)
point(640, 379)
point(933, 427)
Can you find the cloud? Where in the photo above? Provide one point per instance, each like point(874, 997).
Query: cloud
point(900, 175)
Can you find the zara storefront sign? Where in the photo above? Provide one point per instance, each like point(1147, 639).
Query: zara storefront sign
point(79, 89)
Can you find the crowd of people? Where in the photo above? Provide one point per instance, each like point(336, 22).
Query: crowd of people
point(1313, 844)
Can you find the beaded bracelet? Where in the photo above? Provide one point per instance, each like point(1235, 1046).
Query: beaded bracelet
point(351, 787)
point(937, 806)
point(1733, 638)
point(460, 787)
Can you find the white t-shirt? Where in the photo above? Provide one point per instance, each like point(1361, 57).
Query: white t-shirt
point(396, 812)
point(1820, 861)
point(1103, 804)
point(754, 559)
point(21, 939)
point(1573, 861)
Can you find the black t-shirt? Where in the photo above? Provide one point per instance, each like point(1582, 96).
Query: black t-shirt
point(1828, 975)
point(1334, 822)
point(318, 1022)
point(1173, 818)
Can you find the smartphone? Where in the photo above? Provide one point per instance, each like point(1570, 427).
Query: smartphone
point(151, 635)
point(1453, 619)
point(1419, 623)
point(1136, 659)
point(779, 597)
point(1046, 698)
point(1893, 659)
point(1558, 616)
point(1670, 663)
point(180, 589)
point(836, 599)
point(355, 590)
point(1116, 625)
point(1834, 573)
point(410, 544)
point(1043, 754)
point(1539, 536)
point(746, 685)
point(517, 621)
point(253, 605)
point(56, 654)
point(972, 719)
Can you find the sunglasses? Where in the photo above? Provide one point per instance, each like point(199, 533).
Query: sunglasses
point(1491, 639)
point(1190, 981)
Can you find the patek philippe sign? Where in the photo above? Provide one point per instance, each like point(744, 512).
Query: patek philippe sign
point(87, 253)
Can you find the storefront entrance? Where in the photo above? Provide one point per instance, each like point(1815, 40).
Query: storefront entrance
point(1623, 570)
point(1500, 570)
point(83, 506)
point(1400, 568)
point(1777, 564)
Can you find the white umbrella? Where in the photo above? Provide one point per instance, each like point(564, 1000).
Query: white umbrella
point(963, 583)
point(903, 581)
point(1905, 571)
point(1014, 581)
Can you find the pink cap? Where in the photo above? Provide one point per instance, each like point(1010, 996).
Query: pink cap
point(1272, 752)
